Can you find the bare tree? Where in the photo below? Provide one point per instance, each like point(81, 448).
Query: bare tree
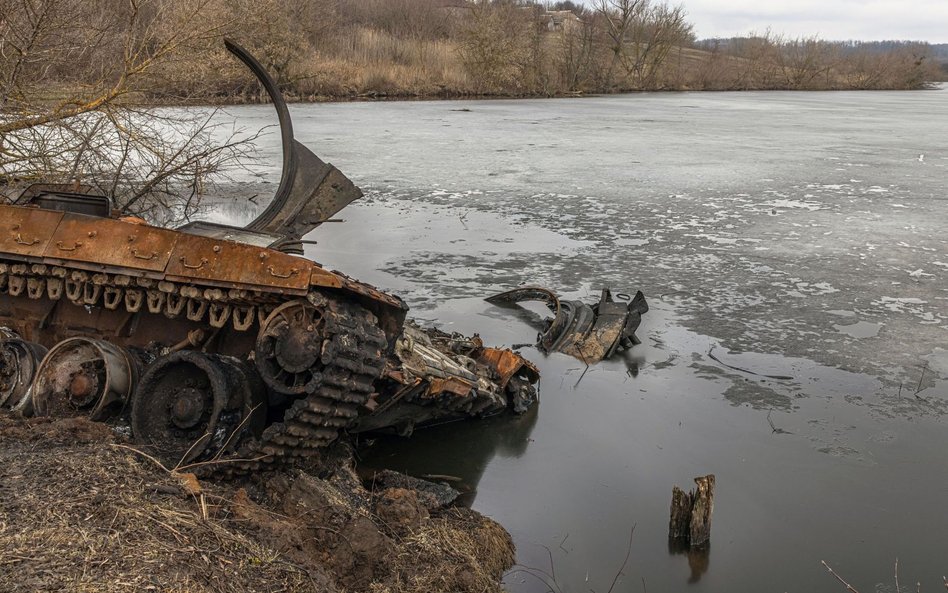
point(619, 17)
point(640, 36)
point(492, 45)
point(71, 72)
point(805, 63)
point(576, 56)
point(659, 29)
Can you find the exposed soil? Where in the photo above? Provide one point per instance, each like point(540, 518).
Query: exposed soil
point(82, 510)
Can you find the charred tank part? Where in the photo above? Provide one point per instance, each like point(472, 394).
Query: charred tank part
point(434, 377)
point(83, 376)
point(311, 191)
point(193, 406)
point(19, 361)
point(590, 333)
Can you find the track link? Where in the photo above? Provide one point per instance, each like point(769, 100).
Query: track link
point(353, 359)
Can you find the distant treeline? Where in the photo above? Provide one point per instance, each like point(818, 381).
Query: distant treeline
point(337, 49)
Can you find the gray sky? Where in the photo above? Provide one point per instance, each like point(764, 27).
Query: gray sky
point(867, 20)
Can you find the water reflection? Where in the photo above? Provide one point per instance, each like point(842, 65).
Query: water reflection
point(460, 450)
point(699, 559)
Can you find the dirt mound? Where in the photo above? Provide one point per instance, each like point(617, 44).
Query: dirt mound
point(66, 431)
point(80, 510)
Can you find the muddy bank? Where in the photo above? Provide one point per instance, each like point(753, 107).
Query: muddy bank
point(82, 511)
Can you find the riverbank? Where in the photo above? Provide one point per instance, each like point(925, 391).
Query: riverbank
point(369, 97)
point(81, 510)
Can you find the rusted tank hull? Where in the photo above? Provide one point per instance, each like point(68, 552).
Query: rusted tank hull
point(222, 347)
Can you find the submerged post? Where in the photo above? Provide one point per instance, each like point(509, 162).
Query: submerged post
point(690, 521)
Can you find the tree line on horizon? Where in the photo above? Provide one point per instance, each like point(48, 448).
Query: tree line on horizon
point(78, 78)
point(170, 51)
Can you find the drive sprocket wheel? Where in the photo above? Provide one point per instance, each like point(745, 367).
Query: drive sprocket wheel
point(289, 352)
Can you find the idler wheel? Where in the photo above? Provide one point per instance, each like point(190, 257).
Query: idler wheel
point(289, 348)
point(82, 376)
point(19, 361)
point(191, 406)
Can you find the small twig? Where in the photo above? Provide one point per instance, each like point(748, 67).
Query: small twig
point(897, 588)
point(773, 426)
point(240, 426)
point(552, 568)
point(539, 575)
point(918, 388)
point(628, 554)
point(849, 587)
point(143, 454)
point(736, 368)
point(584, 370)
point(201, 441)
point(563, 542)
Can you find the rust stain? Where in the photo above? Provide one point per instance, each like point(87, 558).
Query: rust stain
point(26, 231)
point(109, 242)
point(238, 264)
point(452, 385)
point(506, 363)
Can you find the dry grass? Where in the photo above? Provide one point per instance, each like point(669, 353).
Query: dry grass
point(80, 512)
point(94, 518)
point(372, 62)
point(469, 549)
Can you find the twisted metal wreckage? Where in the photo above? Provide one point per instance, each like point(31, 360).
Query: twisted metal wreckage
point(591, 333)
point(221, 343)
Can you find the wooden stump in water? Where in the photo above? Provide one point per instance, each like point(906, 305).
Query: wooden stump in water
point(691, 513)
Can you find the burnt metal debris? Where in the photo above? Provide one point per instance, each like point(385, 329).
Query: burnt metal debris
point(219, 343)
point(590, 333)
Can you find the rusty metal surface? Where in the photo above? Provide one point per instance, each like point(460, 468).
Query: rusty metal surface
point(19, 361)
point(200, 258)
point(83, 376)
point(590, 333)
point(26, 231)
point(369, 291)
point(110, 242)
point(320, 276)
point(507, 363)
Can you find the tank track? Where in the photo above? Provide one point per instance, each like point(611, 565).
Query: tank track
point(353, 359)
point(353, 354)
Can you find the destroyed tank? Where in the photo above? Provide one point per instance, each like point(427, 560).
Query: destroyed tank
point(220, 343)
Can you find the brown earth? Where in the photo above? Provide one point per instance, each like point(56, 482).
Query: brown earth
point(81, 510)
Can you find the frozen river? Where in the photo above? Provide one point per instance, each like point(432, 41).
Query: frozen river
point(794, 251)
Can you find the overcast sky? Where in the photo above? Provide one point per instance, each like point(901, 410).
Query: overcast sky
point(867, 20)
